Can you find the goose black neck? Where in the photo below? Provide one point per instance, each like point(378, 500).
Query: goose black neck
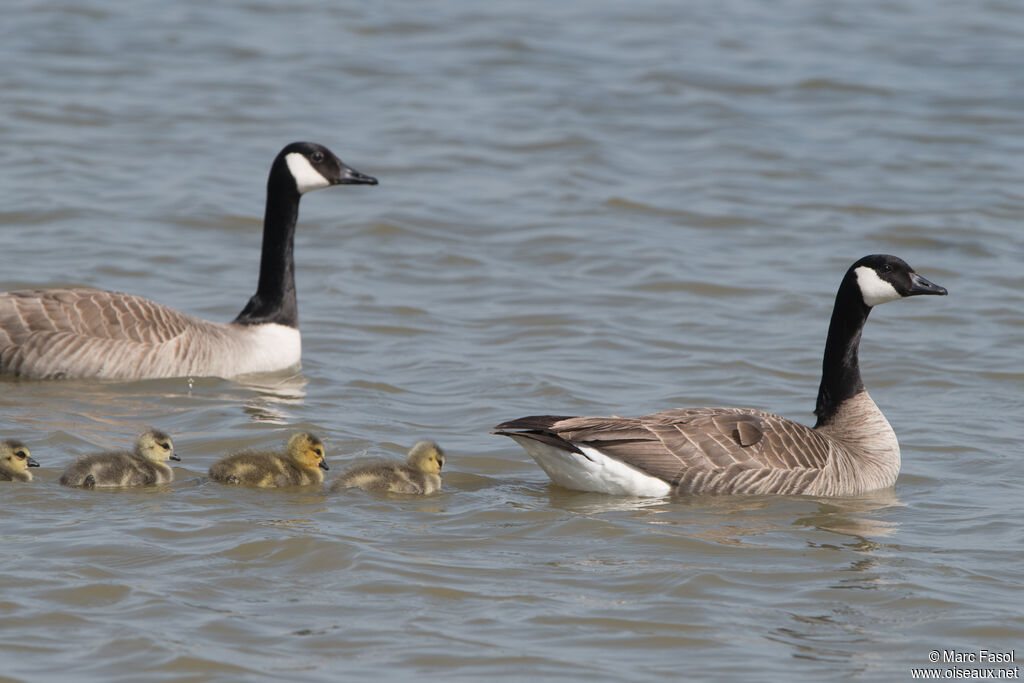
point(840, 367)
point(274, 300)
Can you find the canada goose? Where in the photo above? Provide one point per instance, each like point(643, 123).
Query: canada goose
point(420, 474)
point(146, 465)
point(15, 461)
point(298, 465)
point(851, 448)
point(91, 333)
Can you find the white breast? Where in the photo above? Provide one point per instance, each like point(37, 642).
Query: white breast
point(266, 348)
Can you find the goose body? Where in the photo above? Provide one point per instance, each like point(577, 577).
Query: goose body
point(15, 461)
point(91, 333)
point(850, 450)
point(299, 465)
point(420, 474)
point(144, 466)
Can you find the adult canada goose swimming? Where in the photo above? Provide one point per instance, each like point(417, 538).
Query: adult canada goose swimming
point(144, 466)
point(90, 333)
point(298, 465)
point(15, 461)
point(420, 474)
point(851, 448)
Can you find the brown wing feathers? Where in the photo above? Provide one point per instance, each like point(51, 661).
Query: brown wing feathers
point(91, 313)
point(44, 331)
point(678, 445)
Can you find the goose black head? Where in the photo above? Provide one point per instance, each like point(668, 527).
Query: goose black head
point(882, 278)
point(314, 167)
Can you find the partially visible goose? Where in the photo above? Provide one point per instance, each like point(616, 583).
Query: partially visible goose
point(89, 333)
point(420, 474)
point(15, 461)
point(144, 466)
point(851, 448)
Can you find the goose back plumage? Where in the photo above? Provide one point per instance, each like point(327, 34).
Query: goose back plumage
point(389, 478)
point(262, 470)
point(118, 468)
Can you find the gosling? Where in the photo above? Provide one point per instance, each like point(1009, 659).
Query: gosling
point(299, 465)
point(15, 461)
point(421, 474)
point(145, 466)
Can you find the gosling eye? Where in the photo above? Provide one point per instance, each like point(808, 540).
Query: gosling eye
point(21, 454)
point(165, 446)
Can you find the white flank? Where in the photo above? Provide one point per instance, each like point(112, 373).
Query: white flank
point(599, 474)
point(271, 347)
point(874, 289)
point(306, 177)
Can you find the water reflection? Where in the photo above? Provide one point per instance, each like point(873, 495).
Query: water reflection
point(274, 395)
point(106, 413)
point(855, 516)
point(844, 629)
point(729, 520)
point(598, 503)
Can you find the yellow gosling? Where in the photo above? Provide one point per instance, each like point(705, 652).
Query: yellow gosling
point(299, 465)
point(145, 466)
point(15, 461)
point(421, 474)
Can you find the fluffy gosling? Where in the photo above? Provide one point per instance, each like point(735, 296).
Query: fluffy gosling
point(298, 465)
point(144, 466)
point(15, 461)
point(421, 474)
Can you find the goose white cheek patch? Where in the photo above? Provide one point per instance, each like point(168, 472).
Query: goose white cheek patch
point(306, 177)
point(874, 289)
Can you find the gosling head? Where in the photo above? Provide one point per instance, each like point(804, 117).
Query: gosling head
point(882, 278)
point(307, 451)
point(15, 458)
point(314, 167)
point(426, 456)
point(156, 446)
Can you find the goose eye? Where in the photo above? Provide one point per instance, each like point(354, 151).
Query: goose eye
point(886, 268)
point(316, 157)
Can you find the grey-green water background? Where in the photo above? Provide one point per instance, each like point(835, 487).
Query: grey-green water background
point(584, 208)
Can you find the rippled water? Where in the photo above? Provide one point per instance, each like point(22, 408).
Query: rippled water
point(584, 208)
